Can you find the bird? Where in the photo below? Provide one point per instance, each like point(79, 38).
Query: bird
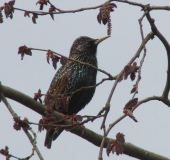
point(71, 77)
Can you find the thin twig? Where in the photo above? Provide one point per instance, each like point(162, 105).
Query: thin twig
point(83, 63)
point(59, 10)
point(121, 118)
point(167, 47)
point(77, 124)
point(54, 6)
point(26, 131)
point(41, 13)
point(121, 73)
point(144, 55)
point(147, 38)
point(83, 88)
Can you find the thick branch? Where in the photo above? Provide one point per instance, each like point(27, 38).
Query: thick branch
point(88, 135)
point(141, 153)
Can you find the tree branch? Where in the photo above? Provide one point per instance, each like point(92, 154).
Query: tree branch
point(32, 141)
point(143, 5)
point(83, 63)
point(88, 135)
point(167, 47)
point(59, 12)
point(107, 106)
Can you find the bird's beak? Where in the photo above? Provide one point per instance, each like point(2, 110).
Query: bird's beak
point(101, 39)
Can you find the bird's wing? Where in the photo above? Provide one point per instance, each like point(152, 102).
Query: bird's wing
point(57, 86)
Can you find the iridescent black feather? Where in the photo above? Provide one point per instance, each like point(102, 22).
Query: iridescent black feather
point(73, 76)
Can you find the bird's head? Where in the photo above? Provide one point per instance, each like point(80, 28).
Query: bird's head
point(85, 45)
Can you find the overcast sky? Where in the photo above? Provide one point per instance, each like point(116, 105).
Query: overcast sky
point(153, 129)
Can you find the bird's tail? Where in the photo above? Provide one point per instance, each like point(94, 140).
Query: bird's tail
point(51, 135)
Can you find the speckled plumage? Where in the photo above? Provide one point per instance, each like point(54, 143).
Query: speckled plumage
point(73, 76)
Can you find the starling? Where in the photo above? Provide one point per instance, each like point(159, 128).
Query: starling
point(73, 76)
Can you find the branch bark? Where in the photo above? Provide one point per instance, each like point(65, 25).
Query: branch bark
point(89, 135)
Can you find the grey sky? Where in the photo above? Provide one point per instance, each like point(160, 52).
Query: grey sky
point(153, 129)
